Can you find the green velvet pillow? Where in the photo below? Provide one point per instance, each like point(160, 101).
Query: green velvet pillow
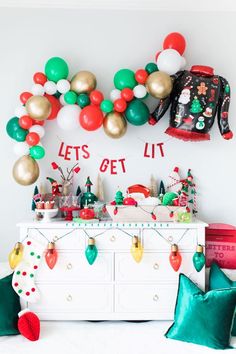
point(203, 318)
point(219, 280)
point(9, 307)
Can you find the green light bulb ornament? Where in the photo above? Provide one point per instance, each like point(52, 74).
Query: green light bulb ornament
point(199, 258)
point(91, 251)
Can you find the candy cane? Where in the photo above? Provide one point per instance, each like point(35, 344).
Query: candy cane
point(189, 79)
point(226, 99)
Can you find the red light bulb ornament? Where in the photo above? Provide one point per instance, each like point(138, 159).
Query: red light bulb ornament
point(175, 257)
point(51, 255)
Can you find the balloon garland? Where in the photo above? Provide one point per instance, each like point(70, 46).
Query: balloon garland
point(78, 102)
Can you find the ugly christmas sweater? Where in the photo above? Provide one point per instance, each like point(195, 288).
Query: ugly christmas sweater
point(196, 97)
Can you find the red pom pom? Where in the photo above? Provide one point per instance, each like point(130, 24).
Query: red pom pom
point(29, 325)
point(228, 136)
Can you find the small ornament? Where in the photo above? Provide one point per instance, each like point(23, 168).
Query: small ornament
point(87, 213)
point(175, 258)
point(51, 255)
point(91, 251)
point(115, 211)
point(153, 216)
point(29, 325)
point(171, 214)
point(16, 255)
point(119, 198)
point(136, 249)
point(199, 258)
point(88, 197)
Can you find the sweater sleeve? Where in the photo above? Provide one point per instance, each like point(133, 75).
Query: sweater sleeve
point(223, 109)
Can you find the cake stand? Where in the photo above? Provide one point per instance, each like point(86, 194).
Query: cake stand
point(48, 214)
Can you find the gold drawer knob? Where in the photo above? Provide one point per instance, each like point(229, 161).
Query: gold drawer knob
point(69, 266)
point(113, 238)
point(55, 238)
point(156, 266)
point(69, 298)
point(155, 297)
point(170, 238)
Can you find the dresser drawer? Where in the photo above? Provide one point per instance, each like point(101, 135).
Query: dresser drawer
point(145, 298)
point(152, 240)
point(74, 267)
point(113, 239)
point(75, 240)
point(74, 298)
point(154, 267)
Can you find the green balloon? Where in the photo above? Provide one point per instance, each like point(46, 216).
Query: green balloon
point(12, 126)
point(107, 106)
point(37, 152)
point(56, 69)
point(124, 78)
point(83, 100)
point(20, 134)
point(137, 112)
point(70, 97)
point(151, 68)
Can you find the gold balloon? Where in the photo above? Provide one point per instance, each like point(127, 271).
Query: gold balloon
point(25, 171)
point(38, 107)
point(83, 82)
point(115, 125)
point(159, 84)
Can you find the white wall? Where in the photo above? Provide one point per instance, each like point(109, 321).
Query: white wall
point(104, 42)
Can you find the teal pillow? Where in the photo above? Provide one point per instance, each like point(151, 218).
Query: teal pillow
point(9, 307)
point(202, 318)
point(219, 280)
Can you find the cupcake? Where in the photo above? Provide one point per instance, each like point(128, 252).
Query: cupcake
point(40, 205)
point(49, 205)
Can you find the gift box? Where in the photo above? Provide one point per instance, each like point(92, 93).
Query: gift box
point(221, 245)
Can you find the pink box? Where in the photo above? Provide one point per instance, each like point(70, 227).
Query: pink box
point(221, 245)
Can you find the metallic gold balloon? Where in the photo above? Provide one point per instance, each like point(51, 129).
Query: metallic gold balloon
point(159, 84)
point(115, 125)
point(83, 82)
point(38, 107)
point(25, 171)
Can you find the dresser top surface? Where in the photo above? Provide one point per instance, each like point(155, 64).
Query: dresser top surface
point(108, 224)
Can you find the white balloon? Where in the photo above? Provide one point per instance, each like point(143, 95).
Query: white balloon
point(139, 91)
point(183, 63)
point(37, 90)
point(68, 117)
point(20, 111)
point(50, 87)
point(169, 61)
point(63, 86)
point(115, 94)
point(37, 129)
point(62, 100)
point(21, 148)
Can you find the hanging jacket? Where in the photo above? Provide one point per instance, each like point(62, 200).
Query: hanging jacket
point(196, 98)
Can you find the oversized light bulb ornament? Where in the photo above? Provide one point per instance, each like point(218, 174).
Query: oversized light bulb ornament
point(51, 255)
point(199, 258)
point(91, 251)
point(175, 257)
point(16, 255)
point(136, 249)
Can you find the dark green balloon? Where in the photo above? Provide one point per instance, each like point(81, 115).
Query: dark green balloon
point(83, 100)
point(37, 152)
point(12, 126)
point(20, 134)
point(56, 69)
point(151, 68)
point(124, 78)
point(137, 112)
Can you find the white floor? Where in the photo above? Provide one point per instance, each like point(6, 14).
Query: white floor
point(101, 338)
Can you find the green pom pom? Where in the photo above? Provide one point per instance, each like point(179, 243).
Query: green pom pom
point(168, 198)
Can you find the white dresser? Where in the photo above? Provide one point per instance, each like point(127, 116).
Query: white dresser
point(115, 287)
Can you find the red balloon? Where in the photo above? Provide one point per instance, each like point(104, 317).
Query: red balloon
point(120, 105)
point(25, 96)
point(32, 139)
point(38, 122)
point(40, 78)
point(141, 76)
point(91, 118)
point(55, 106)
point(96, 97)
point(157, 55)
point(25, 122)
point(175, 41)
point(127, 94)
